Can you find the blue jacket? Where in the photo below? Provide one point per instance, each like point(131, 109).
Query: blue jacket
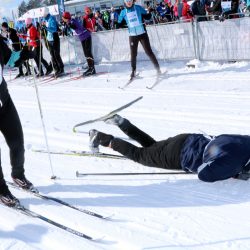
point(51, 28)
point(138, 30)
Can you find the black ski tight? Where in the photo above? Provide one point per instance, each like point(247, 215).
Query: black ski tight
point(151, 153)
point(11, 128)
point(144, 40)
point(54, 49)
point(87, 50)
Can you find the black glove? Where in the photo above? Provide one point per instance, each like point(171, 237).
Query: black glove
point(221, 18)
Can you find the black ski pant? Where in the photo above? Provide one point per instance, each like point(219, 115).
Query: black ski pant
point(87, 50)
point(144, 40)
point(39, 57)
point(54, 49)
point(150, 154)
point(11, 128)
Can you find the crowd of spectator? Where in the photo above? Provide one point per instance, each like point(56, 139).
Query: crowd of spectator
point(162, 12)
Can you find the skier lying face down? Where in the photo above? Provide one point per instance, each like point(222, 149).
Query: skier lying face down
point(213, 159)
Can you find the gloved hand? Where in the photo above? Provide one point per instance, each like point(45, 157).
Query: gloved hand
point(221, 18)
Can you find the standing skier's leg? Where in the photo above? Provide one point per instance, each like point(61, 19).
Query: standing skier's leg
point(133, 42)
point(87, 49)
point(144, 39)
point(11, 128)
point(6, 196)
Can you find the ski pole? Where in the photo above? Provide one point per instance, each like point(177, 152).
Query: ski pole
point(78, 174)
point(157, 34)
point(42, 120)
point(111, 55)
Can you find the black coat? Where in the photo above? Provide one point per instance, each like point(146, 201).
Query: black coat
point(4, 58)
point(12, 35)
point(216, 9)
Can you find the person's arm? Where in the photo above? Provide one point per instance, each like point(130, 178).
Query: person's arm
point(5, 51)
point(52, 25)
point(121, 16)
point(72, 24)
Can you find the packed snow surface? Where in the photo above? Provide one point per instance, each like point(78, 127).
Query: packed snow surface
point(148, 212)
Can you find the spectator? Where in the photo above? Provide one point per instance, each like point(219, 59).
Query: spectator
point(106, 20)
point(215, 9)
point(199, 11)
point(16, 46)
point(89, 21)
point(234, 10)
point(99, 21)
point(113, 18)
point(186, 11)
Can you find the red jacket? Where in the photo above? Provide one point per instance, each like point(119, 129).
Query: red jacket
point(32, 36)
point(185, 11)
point(89, 22)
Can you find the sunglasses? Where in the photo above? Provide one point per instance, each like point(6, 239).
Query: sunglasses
point(128, 1)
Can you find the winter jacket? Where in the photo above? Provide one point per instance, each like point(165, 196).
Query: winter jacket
point(4, 58)
point(81, 31)
point(234, 9)
point(32, 36)
point(192, 152)
point(51, 27)
point(12, 35)
point(141, 13)
point(182, 10)
point(89, 22)
point(216, 9)
point(198, 9)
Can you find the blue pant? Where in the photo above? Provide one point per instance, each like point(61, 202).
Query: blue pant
point(224, 157)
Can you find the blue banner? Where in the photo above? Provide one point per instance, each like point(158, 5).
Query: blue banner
point(61, 7)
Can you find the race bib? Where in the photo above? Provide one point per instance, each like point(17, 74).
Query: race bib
point(133, 19)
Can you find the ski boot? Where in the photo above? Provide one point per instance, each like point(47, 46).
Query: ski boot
point(23, 183)
point(114, 120)
point(90, 71)
point(19, 75)
point(133, 74)
point(97, 138)
point(7, 198)
point(49, 70)
point(59, 73)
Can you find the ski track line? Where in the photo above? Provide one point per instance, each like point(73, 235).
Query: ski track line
point(61, 107)
point(48, 242)
point(110, 91)
point(107, 108)
point(112, 230)
point(191, 118)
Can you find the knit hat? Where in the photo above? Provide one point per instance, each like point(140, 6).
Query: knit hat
point(66, 15)
point(5, 25)
point(28, 21)
point(87, 9)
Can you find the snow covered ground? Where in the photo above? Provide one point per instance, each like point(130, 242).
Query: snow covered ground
point(149, 212)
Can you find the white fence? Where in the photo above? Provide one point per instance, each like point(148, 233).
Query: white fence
point(210, 40)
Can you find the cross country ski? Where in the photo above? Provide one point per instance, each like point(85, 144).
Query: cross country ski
point(110, 114)
point(81, 153)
